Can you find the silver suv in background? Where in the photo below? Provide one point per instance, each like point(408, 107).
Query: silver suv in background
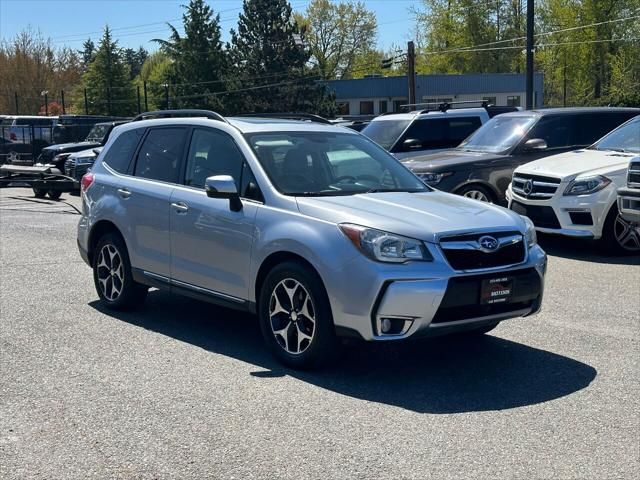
point(315, 228)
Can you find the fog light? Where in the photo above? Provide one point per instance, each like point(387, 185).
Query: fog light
point(386, 325)
point(394, 326)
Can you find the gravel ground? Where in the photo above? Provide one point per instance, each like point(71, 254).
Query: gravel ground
point(182, 389)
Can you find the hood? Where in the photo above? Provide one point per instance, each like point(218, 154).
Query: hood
point(449, 158)
point(417, 215)
point(86, 153)
point(567, 166)
point(70, 147)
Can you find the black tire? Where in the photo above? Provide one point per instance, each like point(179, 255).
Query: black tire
point(476, 332)
point(39, 192)
point(131, 294)
point(609, 244)
point(54, 194)
point(323, 346)
point(476, 192)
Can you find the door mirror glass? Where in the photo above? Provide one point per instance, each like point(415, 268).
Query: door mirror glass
point(223, 186)
point(535, 144)
point(412, 144)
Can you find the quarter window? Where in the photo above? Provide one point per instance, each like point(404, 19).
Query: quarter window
point(119, 155)
point(212, 152)
point(160, 153)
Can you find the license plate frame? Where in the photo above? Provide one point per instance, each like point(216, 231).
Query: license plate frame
point(496, 290)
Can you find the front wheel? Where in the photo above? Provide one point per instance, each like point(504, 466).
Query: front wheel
point(477, 192)
point(112, 275)
point(619, 236)
point(54, 194)
point(295, 317)
point(39, 192)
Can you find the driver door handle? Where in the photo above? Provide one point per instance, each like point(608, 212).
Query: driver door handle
point(180, 207)
point(124, 192)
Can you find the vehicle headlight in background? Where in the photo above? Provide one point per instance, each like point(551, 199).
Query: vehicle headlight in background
point(61, 156)
point(432, 179)
point(530, 234)
point(585, 185)
point(85, 160)
point(385, 247)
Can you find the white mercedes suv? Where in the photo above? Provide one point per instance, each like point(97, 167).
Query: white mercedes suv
point(575, 193)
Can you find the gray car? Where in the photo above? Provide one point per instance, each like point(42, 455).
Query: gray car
point(315, 228)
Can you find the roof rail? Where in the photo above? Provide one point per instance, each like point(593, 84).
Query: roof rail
point(180, 113)
point(309, 117)
point(444, 106)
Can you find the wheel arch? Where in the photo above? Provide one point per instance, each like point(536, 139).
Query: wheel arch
point(99, 230)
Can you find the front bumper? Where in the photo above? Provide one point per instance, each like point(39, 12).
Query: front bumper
point(428, 299)
point(580, 216)
point(629, 204)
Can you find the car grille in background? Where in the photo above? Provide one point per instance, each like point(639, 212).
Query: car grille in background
point(633, 180)
point(534, 186)
point(72, 169)
point(474, 259)
point(541, 216)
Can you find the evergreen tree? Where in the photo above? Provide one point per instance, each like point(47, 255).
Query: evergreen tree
point(270, 63)
point(87, 52)
point(109, 90)
point(134, 59)
point(199, 62)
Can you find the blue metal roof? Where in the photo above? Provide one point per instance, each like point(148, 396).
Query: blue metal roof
point(433, 85)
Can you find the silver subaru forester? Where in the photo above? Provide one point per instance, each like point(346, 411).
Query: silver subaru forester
point(315, 228)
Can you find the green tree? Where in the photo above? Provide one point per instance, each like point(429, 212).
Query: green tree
point(87, 52)
point(339, 34)
point(156, 71)
point(109, 90)
point(271, 62)
point(199, 62)
point(134, 59)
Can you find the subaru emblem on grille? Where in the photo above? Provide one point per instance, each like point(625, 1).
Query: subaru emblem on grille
point(488, 243)
point(527, 188)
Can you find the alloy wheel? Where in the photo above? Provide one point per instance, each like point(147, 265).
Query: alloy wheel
point(110, 272)
point(477, 195)
point(292, 316)
point(627, 234)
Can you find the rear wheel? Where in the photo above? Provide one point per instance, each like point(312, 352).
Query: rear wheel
point(295, 317)
point(619, 236)
point(54, 194)
point(112, 275)
point(39, 192)
point(477, 192)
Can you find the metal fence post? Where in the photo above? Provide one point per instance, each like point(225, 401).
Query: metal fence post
point(86, 103)
point(16, 99)
point(146, 104)
point(138, 92)
point(109, 100)
point(64, 109)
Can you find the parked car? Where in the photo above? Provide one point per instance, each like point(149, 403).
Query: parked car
point(314, 227)
point(629, 195)
point(430, 130)
point(482, 166)
point(13, 152)
point(79, 163)
point(35, 131)
point(575, 193)
point(75, 128)
point(57, 154)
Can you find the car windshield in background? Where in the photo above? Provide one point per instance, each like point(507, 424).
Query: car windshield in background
point(97, 133)
point(330, 164)
point(498, 135)
point(623, 139)
point(385, 132)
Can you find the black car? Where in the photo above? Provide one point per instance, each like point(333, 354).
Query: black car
point(482, 166)
point(97, 137)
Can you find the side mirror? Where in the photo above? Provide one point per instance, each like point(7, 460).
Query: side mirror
point(412, 144)
point(223, 186)
point(535, 144)
point(97, 151)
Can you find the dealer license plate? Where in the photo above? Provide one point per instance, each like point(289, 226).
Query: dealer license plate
point(496, 290)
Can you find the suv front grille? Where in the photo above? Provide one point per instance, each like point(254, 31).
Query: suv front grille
point(70, 167)
point(633, 178)
point(465, 252)
point(534, 186)
point(543, 217)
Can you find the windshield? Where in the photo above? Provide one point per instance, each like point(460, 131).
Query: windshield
point(97, 133)
point(625, 138)
point(330, 164)
point(385, 132)
point(499, 134)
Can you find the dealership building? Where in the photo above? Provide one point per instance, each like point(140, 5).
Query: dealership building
point(377, 94)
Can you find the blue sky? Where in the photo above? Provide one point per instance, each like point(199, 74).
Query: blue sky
point(135, 22)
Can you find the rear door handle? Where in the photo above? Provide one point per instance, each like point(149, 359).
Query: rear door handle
point(180, 207)
point(124, 192)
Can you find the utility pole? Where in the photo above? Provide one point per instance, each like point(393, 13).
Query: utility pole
point(411, 71)
point(529, 75)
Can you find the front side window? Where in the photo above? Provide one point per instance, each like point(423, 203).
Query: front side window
point(119, 155)
point(556, 131)
point(625, 138)
point(329, 164)
point(160, 153)
point(499, 135)
point(212, 153)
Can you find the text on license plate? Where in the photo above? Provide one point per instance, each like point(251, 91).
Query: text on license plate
point(496, 290)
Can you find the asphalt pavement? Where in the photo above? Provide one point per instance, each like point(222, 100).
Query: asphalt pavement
point(183, 389)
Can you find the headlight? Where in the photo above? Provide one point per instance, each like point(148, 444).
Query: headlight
point(584, 185)
point(432, 178)
point(60, 157)
point(530, 235)
point(384, 246)
point(85, 160)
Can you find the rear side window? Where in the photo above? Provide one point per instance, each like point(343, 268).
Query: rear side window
point(441, 133)
point(160, 154)
point(592, 127)
point(119, 155)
